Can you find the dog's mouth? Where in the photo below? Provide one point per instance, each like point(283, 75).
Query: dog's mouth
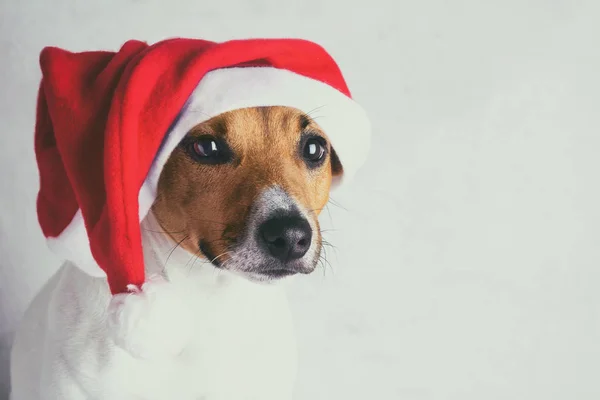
point(208, 254)
point(274, 272)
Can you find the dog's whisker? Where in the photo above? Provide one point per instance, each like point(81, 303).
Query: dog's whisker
point(174, 248)
point(322, 266)
point(327, 243)
point(314, 118)
point(329, 213)
point(326, 266)
point(193, 257)
point(309, 114)
point(199, 110)
point(323, 256)
point(335, 203)
point(226, 253)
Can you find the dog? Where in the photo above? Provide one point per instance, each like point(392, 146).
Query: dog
point(235, 218)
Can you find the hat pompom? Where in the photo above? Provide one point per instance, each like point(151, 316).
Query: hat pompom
point(150, 322)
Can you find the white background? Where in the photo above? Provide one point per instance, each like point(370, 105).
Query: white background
point(467, 261)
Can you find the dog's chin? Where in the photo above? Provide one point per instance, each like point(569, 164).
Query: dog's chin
point(270, 274)
point(266, 278)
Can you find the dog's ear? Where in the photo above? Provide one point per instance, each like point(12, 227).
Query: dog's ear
point(337, 170)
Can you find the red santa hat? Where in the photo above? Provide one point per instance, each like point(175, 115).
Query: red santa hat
point(108, 121)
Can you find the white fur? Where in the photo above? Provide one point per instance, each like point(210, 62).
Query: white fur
point(241, 344)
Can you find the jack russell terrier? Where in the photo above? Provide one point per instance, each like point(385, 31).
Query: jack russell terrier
point(233, 214)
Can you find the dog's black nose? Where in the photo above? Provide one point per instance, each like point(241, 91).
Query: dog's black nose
point(286, 238)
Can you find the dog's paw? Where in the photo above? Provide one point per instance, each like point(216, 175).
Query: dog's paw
point(153, 321)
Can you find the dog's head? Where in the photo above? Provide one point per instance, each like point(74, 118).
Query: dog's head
point(244, 190)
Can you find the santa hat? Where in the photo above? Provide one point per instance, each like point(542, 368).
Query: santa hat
point(108, 121)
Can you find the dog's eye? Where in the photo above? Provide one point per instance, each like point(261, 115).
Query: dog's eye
point(208, 150)
point(314, 150)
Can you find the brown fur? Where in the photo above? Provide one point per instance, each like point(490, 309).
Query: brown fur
point(210, 203)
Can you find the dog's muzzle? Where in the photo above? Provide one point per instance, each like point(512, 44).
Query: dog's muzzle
point(285, 240)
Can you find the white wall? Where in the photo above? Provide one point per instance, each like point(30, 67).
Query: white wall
point(467, 261)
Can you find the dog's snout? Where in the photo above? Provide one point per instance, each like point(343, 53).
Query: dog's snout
point(286, 238)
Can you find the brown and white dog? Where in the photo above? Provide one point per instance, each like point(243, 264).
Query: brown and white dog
point(182, 182)
point(236, 211)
